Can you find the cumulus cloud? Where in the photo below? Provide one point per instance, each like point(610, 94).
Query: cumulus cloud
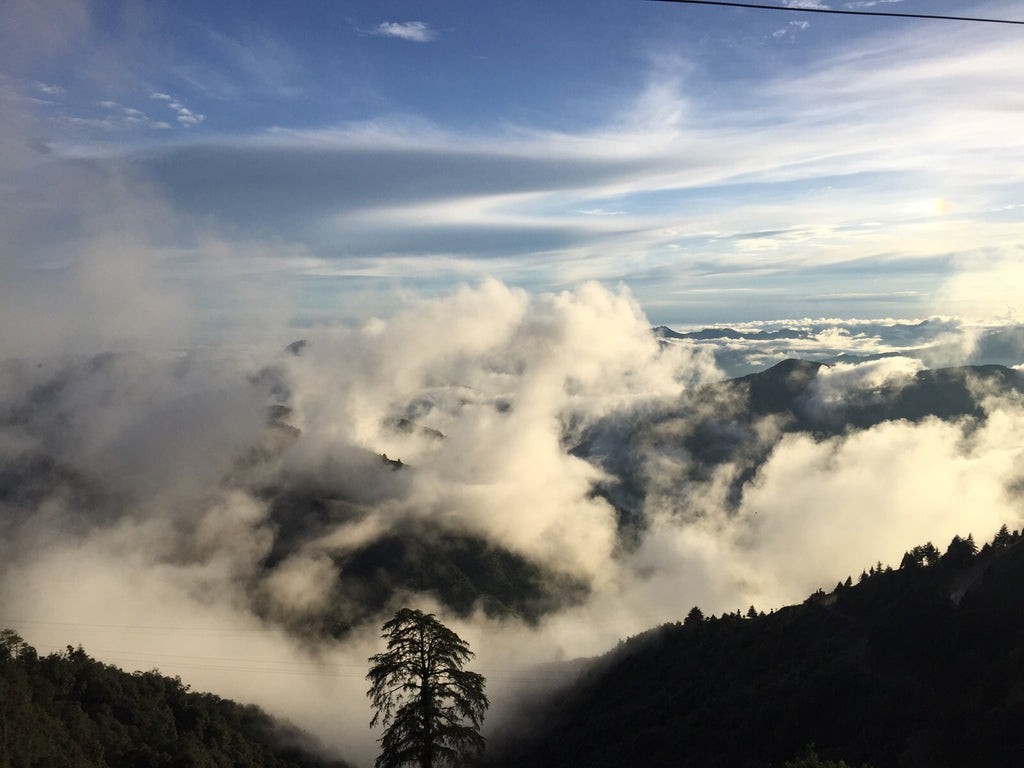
point(507, 371)
point(834, 384)
point(140, 462)
point(880, 489)
point(415, 31)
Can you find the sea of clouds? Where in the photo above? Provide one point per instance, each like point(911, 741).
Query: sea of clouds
point(134, 523)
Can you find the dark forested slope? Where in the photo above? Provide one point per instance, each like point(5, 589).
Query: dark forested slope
point(920, 666)
point(72, 711)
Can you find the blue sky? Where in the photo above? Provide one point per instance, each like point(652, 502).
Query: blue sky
point(321, 161)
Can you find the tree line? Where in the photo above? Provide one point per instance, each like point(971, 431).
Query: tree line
point(69, 710)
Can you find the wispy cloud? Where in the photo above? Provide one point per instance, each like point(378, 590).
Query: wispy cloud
point(792, 28)
point(185, 116)
point(858, 4)
point(601, 212)
point(663, 193)
point(115, 117)
point(49, 90)
point(660, 194)
point(416, 31)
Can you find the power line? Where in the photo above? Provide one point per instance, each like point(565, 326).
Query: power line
point(800, 9)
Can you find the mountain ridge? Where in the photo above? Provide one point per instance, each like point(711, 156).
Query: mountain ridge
point(891, 671)
point(68, 709)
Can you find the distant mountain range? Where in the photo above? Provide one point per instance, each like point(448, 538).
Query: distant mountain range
point(713, 424)
point(716, 423)
point(936, 342)
point(919, 666)
point(664, 332)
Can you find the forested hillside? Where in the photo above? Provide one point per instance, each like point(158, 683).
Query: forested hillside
point(72, 711)
point(917, 666)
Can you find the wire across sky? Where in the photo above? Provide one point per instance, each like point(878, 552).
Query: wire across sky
point(812, 9)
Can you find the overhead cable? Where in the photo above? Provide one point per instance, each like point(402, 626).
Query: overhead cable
point(814, 9)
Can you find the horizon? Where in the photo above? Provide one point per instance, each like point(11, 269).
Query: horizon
point(252, 167)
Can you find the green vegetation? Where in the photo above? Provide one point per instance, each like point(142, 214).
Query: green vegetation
point(810, 759)
point(431, 708)
point(920, 666)
point(68, 710)
point(461, 571)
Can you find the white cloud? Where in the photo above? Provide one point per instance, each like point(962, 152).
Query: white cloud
point(882, 490)
point(185, 116)
point(415, 31)
point(791, 29)
point(864, 135)
point(510, 378)
point(117, 117)
point(833, 385)
point(859, 4)
point(805, 126)
point(49, 90)
point(985, 285)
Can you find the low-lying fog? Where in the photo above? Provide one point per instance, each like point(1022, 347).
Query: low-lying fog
point(141, 492)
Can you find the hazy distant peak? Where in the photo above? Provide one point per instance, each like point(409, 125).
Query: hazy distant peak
point(707, 334)
point(296, 347)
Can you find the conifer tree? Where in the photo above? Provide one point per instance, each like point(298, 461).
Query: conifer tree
point(694, 617)
point(430, 707)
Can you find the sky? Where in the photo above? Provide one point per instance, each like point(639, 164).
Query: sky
point(474, 213)
point(260, 165)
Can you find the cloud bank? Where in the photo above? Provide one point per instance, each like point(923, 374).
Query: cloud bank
point(140, 492)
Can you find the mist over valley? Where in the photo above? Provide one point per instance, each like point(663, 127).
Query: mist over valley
point(547, 472)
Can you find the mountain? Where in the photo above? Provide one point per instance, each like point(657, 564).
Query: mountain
point(935, 342)
point(461, 571)
point(916, 667)
point(740, 421)
point(70, 710)
point(715, 424)
point(708, 334)
point(303, 506)
point(788, 388)
point(734, 424)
